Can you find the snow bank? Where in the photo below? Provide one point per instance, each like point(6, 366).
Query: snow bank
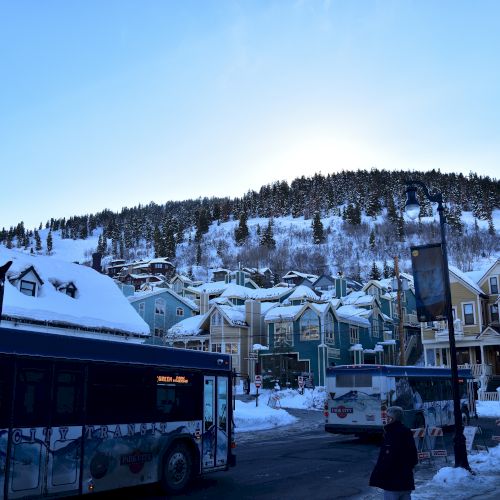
point(488, 409)
point(248, 417)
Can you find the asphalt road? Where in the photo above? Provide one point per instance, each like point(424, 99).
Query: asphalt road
point(297, 462)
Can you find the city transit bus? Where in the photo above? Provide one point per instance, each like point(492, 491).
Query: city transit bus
point(81, 415)
point(359, 395)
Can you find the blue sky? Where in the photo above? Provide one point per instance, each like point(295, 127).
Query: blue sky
point(106, 104)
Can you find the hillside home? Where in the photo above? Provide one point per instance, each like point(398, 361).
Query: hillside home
point(477, 338)
point(296, 277)
point(44, 294)
point(161, 309)
point(307, 338)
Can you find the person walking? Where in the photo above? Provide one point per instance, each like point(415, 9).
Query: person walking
point(393, 471)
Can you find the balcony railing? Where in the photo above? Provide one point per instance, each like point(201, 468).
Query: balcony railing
point(478, 370)
point(411, 319)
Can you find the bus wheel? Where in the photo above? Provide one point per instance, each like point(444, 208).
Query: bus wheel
point(177, 468)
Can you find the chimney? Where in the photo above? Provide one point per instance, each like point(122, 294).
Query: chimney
point(96, 261)
point(204, 305)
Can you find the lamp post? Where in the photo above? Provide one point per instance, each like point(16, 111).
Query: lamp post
point(412, 209)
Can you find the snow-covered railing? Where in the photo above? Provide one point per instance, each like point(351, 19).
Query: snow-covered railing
point(488, 396)
point(478, 369)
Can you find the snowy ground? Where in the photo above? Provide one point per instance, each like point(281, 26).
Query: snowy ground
point(453, 483)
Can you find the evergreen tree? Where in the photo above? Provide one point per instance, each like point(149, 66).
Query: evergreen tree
point(491, 227)
point(158, 243)
point(388, 270)
point(400, 228)
point(49, 243)
point(267, 240)
point(38, 242)
point(372, 239)
point(241, 232)
point(317, 227)
point(375, 272)
point(202, 224)
point(198, 255)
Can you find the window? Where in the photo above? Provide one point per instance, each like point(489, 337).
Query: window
point(120, 394)
point(353, 380)
point(231, 348)
point(179, 311)
point(216, 319)
point(376, 328)
point(32, 394)
point(68, 396)
point(494, 313)
point(468, 314)
point(160, 307)
point(28, 288)
point(353, 334)
point(494, 285)
point(329, 330)
point(142, 309)
point(309, 326)
point(283, 335)
point(6, 371)
point(158, 332)
point(216, 347)
point(178, 396)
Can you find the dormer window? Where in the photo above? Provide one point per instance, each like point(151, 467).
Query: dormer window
point(27, 287)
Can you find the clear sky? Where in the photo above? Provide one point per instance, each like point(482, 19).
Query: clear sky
point(106, 104)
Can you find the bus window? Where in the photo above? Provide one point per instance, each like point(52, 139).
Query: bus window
point(119, 394)
point(5, 391)
point(32, 394)
point(67, 397)
point(177, 396)
point(353, 380)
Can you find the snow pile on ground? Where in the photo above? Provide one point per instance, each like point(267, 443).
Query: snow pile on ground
point(312, 399)
point(248, 417)
point(488, 409)
point(460, 484)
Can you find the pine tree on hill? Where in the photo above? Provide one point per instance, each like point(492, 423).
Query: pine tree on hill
point(372, 239)
point(38, 242)
point(241, 232)
point(267, 240)
point(388, 271)
point(318, 231)
point(49, 243)
point(375, 272)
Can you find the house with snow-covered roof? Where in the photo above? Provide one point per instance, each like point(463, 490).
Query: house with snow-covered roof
point(477, 339)
point(227, 328)
point(162, 308)
point(309, 337)
point(42, 293)
point(296, 277)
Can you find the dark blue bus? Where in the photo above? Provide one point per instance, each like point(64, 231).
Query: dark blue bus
point(81, 415)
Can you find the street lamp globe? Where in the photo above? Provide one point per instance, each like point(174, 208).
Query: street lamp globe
point(412, 206)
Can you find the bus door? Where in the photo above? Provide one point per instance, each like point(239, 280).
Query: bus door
point(215, 422)
point(45, 442)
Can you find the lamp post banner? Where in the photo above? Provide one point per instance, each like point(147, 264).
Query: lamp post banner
point(428, 273)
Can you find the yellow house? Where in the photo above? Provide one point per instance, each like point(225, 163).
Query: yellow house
point(477, 332)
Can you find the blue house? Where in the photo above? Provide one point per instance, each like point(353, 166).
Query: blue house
point(304, 339)
point(161, 308)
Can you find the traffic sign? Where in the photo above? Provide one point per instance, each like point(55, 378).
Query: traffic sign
point(300, 381)
point(258, 381)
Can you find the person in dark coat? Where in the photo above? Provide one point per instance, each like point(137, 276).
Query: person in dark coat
point(393, 471)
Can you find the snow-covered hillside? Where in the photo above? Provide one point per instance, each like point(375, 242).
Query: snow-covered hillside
point(347, 248)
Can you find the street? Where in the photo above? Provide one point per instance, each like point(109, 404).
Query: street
point(296, 462)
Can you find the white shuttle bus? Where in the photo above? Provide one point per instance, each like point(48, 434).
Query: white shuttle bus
point(359, 395)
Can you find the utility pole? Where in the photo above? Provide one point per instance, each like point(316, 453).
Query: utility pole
point(402, 360)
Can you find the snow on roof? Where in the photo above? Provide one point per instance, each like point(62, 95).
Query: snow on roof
point(267, 306)
point(322, 307)
point(211, 287)
point(287, 313)
point(234, 290)
point(294, 274)
point(187, 327)
point(358, 298)
point(140, 295)
point(235, 314)
point(353, 314)
point(303, 292)
point(270, 293)
point(356, 347)
point(465, 278)
point(98, 303)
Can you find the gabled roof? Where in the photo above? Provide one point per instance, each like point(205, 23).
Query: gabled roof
point(297, 274)
point(285, 313)
point(141, 295)
point(192, 326)
point(466, 280)
point(303, 292)
point(26, 271)
point(485, 272)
